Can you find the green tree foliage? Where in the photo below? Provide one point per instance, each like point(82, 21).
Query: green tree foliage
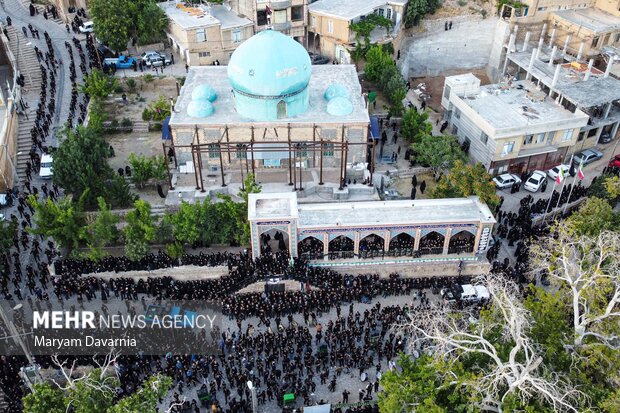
point(365, 26)
point(144, 168)
point(157, 110)
point(99, 85)
point(417, 9)
point(145, 399)
point(46, 398)
point(415, 126)
point(606, 187)
point(152, 23)
point(465, 180)
point(101, 232)
point(93, 394)
point(119, 194)
point(139, 231)
point(594, 216)
point(61, 220)
point(381, 70)
point(113, 22)
point(438, 152)
point(8, 230)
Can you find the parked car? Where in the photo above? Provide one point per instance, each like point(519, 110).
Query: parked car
point(553, 172)
point(87, 27)
point(46, 171)
point(466, 293)
point(534, 182)
point(150, 58)
point(121, 62)
point(506, 180)
point(605, 137)
point(318, 59)
point(615, 161)
point(587, 156)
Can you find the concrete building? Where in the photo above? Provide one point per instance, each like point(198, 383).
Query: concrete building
point(289, 17)
point(329, 32)
point(273, 114)
point(9, 120)
point(511, 126)
point(578, 87)
point(395, 232)
point(205, 33)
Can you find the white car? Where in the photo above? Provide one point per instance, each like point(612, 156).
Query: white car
point(45, 172)
point(506, 180)
point(87, 27)
point(553, 172)
point(534, 182)
point(152, 58)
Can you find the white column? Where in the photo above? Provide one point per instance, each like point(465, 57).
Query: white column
point(609, 66)
point(528, 75)
point(587, 75)
point(555, 49)
point(566, 43)
point(607, 109)
point(540, 45)
point(511, 43)
point(580, 53)
point(526, 42)
point(552, 38)
point(556, 76)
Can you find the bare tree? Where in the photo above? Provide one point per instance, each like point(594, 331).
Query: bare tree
point(587, 269)
point(450, 334)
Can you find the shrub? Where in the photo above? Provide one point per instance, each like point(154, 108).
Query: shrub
point(147, 115)
point(126, 123)
point(148, 78)
point(118, 89)
point(131, 85)
point(114, 124)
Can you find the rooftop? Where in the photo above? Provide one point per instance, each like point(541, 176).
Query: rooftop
point(225, 114)
point(202, 16)
point(513, 106)
point(423, 211)
point(350, 9)
point(597, 90)
point(272, 205)
point(590, 18)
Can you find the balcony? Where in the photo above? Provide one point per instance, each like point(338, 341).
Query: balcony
point(281, 5)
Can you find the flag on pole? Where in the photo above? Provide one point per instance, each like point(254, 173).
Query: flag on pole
point(560, 176)
point(580, 173)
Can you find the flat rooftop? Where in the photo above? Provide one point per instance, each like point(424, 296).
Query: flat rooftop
point(272, 205)
point(590, 18)
point(423, 211)
point(350, 9)
point(518, 105)
point(596, 91)
point(225, 113)
point(202, 16)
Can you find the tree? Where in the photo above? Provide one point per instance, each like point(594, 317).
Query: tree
point(467, 180)
point(141, 169)
point(508, 366)
point(44, 399)
point(80, 163)
point(606, 186)
point(118, 192)
point(101, 232)
point(145, 399)
point(439, 152)
point(594, 216)
point(8, 230)
point(152, 23)
point(585, 268)
point(415, 126)
point(61, 220)
point(99, 85)
point(612, 186)
point(113, 22)
point(376, 62)
point(417, 9)
point(139, 231)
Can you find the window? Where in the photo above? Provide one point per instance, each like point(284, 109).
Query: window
point(542, 8)
point(457, 113)
point(297, 13)
point(484, 138)
point(508, 147)
point(528, 139)
point(550, 137)
point(446, 92)
point(388, 14)
point(261, 17)
point(214, 150)
point(380, 11)
point(568, 134)
point(201, 35)
point(204, 54)
point(279, 16)
point(330, 26)
point(328, 149)
point(242, 151)
point(581, 136)
point(540, 138)
point(301, 150)
point(236, 35)
point(595, 41)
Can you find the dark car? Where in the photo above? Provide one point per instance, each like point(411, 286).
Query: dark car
point(587, 156)
point(605, 137)
point(318, 59)
point(615, 161)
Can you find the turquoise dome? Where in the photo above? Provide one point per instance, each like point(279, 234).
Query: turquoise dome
point(336, 90)
point(269, 65)
point(339, 106)
point(200, 108)
point(204, 92)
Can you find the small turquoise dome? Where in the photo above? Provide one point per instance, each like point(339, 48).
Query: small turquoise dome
point(200, 109)
point(204, 92)
point(339, 106)
point(336, 90)
point(269, 65)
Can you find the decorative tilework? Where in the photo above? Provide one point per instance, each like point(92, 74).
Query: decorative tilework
point(441, 231)
point(349, 235)
point(396, 233)
point(388, 261)
point(364, 234)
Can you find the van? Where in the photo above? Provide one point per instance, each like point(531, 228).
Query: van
point(45, 172)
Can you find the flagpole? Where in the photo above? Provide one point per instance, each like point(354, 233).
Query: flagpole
point(570, 163)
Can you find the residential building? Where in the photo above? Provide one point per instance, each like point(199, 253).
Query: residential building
point(205, 33)
point(289, 17)
point(511, 126)
point(329, 32)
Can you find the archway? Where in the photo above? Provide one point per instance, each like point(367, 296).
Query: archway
point(432, 243)
point(273, 241)
point(341, 247)
point(281, 109)
point(461, 242)
point(310, 248)
point(371, 245)
point(402, 244)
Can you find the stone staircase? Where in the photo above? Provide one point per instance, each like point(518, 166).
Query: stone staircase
point(29, 66)
point(41, 9)
point(140, 126)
